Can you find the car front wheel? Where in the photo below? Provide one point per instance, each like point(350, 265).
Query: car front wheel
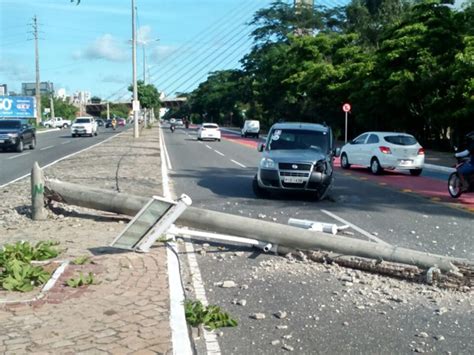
point(375, 167)
point(345, 161)
point(19, 146)
point(416, 172)
point(257, 190)
point(33, 143)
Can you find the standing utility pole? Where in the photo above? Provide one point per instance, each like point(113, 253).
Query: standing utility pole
point(135, 102)
point(108, 111)
point(37, 88)
point(52, 107)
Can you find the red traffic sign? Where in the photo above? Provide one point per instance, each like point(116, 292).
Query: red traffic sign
point(346, 107)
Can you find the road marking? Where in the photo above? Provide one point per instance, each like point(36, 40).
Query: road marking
point(48, 147)
point(219, 153)
point(382, 183)
point(407, 190)
point(353, 226)
point(66, 142)
point(165, 151)
point(180, 337)
point(208, 146)
point(239, 164)
point(18, 156)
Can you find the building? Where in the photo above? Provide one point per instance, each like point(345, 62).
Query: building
point(3, 90)
point(61, 94)
point(81, 97)
point(29, 89)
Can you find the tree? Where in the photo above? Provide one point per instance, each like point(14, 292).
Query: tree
point(61, 108)
point(148, 95)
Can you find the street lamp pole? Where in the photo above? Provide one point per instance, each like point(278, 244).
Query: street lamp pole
point(135, 102)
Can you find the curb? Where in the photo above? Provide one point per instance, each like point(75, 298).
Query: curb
point(443, 169)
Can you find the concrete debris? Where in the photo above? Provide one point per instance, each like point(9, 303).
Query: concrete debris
point(281, 314)
point(282, 327)
point(258, 316)
point(422, 335)
point(276, 342)
point(287, 347)
point(228, 284)
point(441, 311)
point(244, 287)
point(440, 337)
point(242, 302)
point(345, 324)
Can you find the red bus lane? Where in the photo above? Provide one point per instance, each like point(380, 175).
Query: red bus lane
point(434, 189)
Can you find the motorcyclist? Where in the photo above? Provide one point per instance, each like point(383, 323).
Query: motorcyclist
point(468, 168)
point(114, 123)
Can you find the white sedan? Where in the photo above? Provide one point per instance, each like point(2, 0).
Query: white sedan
point(384, 150)
point(209, 131)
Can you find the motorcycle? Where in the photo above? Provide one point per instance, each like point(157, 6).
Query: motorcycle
point(172, 128)
point(455, 187)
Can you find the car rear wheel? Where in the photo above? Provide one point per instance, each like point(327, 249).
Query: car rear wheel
point(33, 143)
point(95, 133)
point(416, 172)
point(257, 190)
point(345, 161)
point(19, 147)
point(73, 135)
point(454, 185)
point(375, 167)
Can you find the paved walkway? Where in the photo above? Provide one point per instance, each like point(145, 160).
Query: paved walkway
point(128, 310)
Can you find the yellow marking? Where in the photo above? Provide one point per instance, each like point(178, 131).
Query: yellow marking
point(347, 174)
point(363, 178)
point(470, 209)
point(382, 183)
point(435, 199)
point(407, 190)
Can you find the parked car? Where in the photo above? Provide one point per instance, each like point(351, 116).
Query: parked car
point(296, 157)
point(209, 131)
point(84, 126)
point(56, 122)
point(384, 150)
point(251, 128)
point(16, 134)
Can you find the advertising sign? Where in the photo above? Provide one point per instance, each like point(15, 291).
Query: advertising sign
point(17, 106)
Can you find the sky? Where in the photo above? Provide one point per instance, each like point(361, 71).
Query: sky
point(87, 47)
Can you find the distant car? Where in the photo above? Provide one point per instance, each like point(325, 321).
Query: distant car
point(209, 131)
point(121, 122)
point(108, 123)
point(16, 134)
point(100, 122)
point(84, 126)
point(251, 128)
point(57, 122)
point(384, 150)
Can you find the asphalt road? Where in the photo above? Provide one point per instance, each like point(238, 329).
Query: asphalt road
point(51, 146)
point(325, 315)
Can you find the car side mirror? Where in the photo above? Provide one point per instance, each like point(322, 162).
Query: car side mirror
point(337, 152)
point(261, 147)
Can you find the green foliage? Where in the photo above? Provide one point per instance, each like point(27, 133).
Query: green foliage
point(81, 280)
point(211, 317)
point(18, 275)
point(81, 260)
point(25, 252)
point(148, 95)
point(61, 108)
point(117, 110)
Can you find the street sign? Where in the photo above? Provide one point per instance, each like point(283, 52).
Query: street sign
point(17, 106)
point(346, 107)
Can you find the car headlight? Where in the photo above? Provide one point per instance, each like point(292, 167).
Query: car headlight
point(13, 135)
point(267, 163)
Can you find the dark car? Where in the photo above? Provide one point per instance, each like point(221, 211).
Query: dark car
point(296, 157)
point(16, 134)
point(100, 122)
point(108, 123)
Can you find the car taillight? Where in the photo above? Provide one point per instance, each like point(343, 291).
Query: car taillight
point(421, 151)
point(385, 150)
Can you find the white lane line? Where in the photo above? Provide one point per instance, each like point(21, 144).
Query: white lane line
point(208, 146)
point(179, 334)
point(48, 147)
point(165, 151)
point(18, 156)
point(66, 142)
point(239, 164)
point(221, 154)
point(212, 344)
point(353, 226)
point(60, 159)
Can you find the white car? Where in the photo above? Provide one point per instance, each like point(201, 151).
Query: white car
point(84, 126)
point(250, 128)
point(384, 150)
point(209, 131)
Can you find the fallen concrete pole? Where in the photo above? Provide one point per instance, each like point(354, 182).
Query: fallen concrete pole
point(277, 234)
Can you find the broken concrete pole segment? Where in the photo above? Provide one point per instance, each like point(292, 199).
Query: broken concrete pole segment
point(276, 234)
point(38, 212)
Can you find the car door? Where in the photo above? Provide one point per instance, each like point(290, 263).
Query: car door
point(26, 133)
point(368, 149)
point(355, 155)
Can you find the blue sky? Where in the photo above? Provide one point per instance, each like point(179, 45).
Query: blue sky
point(87, 47)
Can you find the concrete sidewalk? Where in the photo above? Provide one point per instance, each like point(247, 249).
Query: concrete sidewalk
point(128, 310)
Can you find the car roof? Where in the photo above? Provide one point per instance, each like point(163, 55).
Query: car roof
point(212, 123)
point(387, 133)
point(301, 125)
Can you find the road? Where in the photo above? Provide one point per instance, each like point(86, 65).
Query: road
point(51, 146)
point(326, 312)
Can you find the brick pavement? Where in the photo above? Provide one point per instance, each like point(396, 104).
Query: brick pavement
point(127, 311)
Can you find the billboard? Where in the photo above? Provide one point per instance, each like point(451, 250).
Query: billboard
point(17, 106)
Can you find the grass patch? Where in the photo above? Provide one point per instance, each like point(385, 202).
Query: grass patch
point(211, 317)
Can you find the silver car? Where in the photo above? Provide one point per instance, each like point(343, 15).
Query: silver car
point(296, 156)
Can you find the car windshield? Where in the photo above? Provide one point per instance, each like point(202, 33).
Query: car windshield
point(212, 126)
point(288, 139)
point(400, 140)
point(9, 124)
point(83, 120)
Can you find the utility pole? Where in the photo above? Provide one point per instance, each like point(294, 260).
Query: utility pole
point(37, 87)
point(51, 103)
point(108, 111)
point(135, 102)
point(144, 65)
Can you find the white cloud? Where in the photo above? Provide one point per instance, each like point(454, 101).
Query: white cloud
point(162, 52)
point(14, 71)
point(105, 47)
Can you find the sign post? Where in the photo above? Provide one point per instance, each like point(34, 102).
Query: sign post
point(346, 108)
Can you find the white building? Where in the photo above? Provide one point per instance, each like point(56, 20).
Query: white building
point(81, 97)
point(61, 94)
